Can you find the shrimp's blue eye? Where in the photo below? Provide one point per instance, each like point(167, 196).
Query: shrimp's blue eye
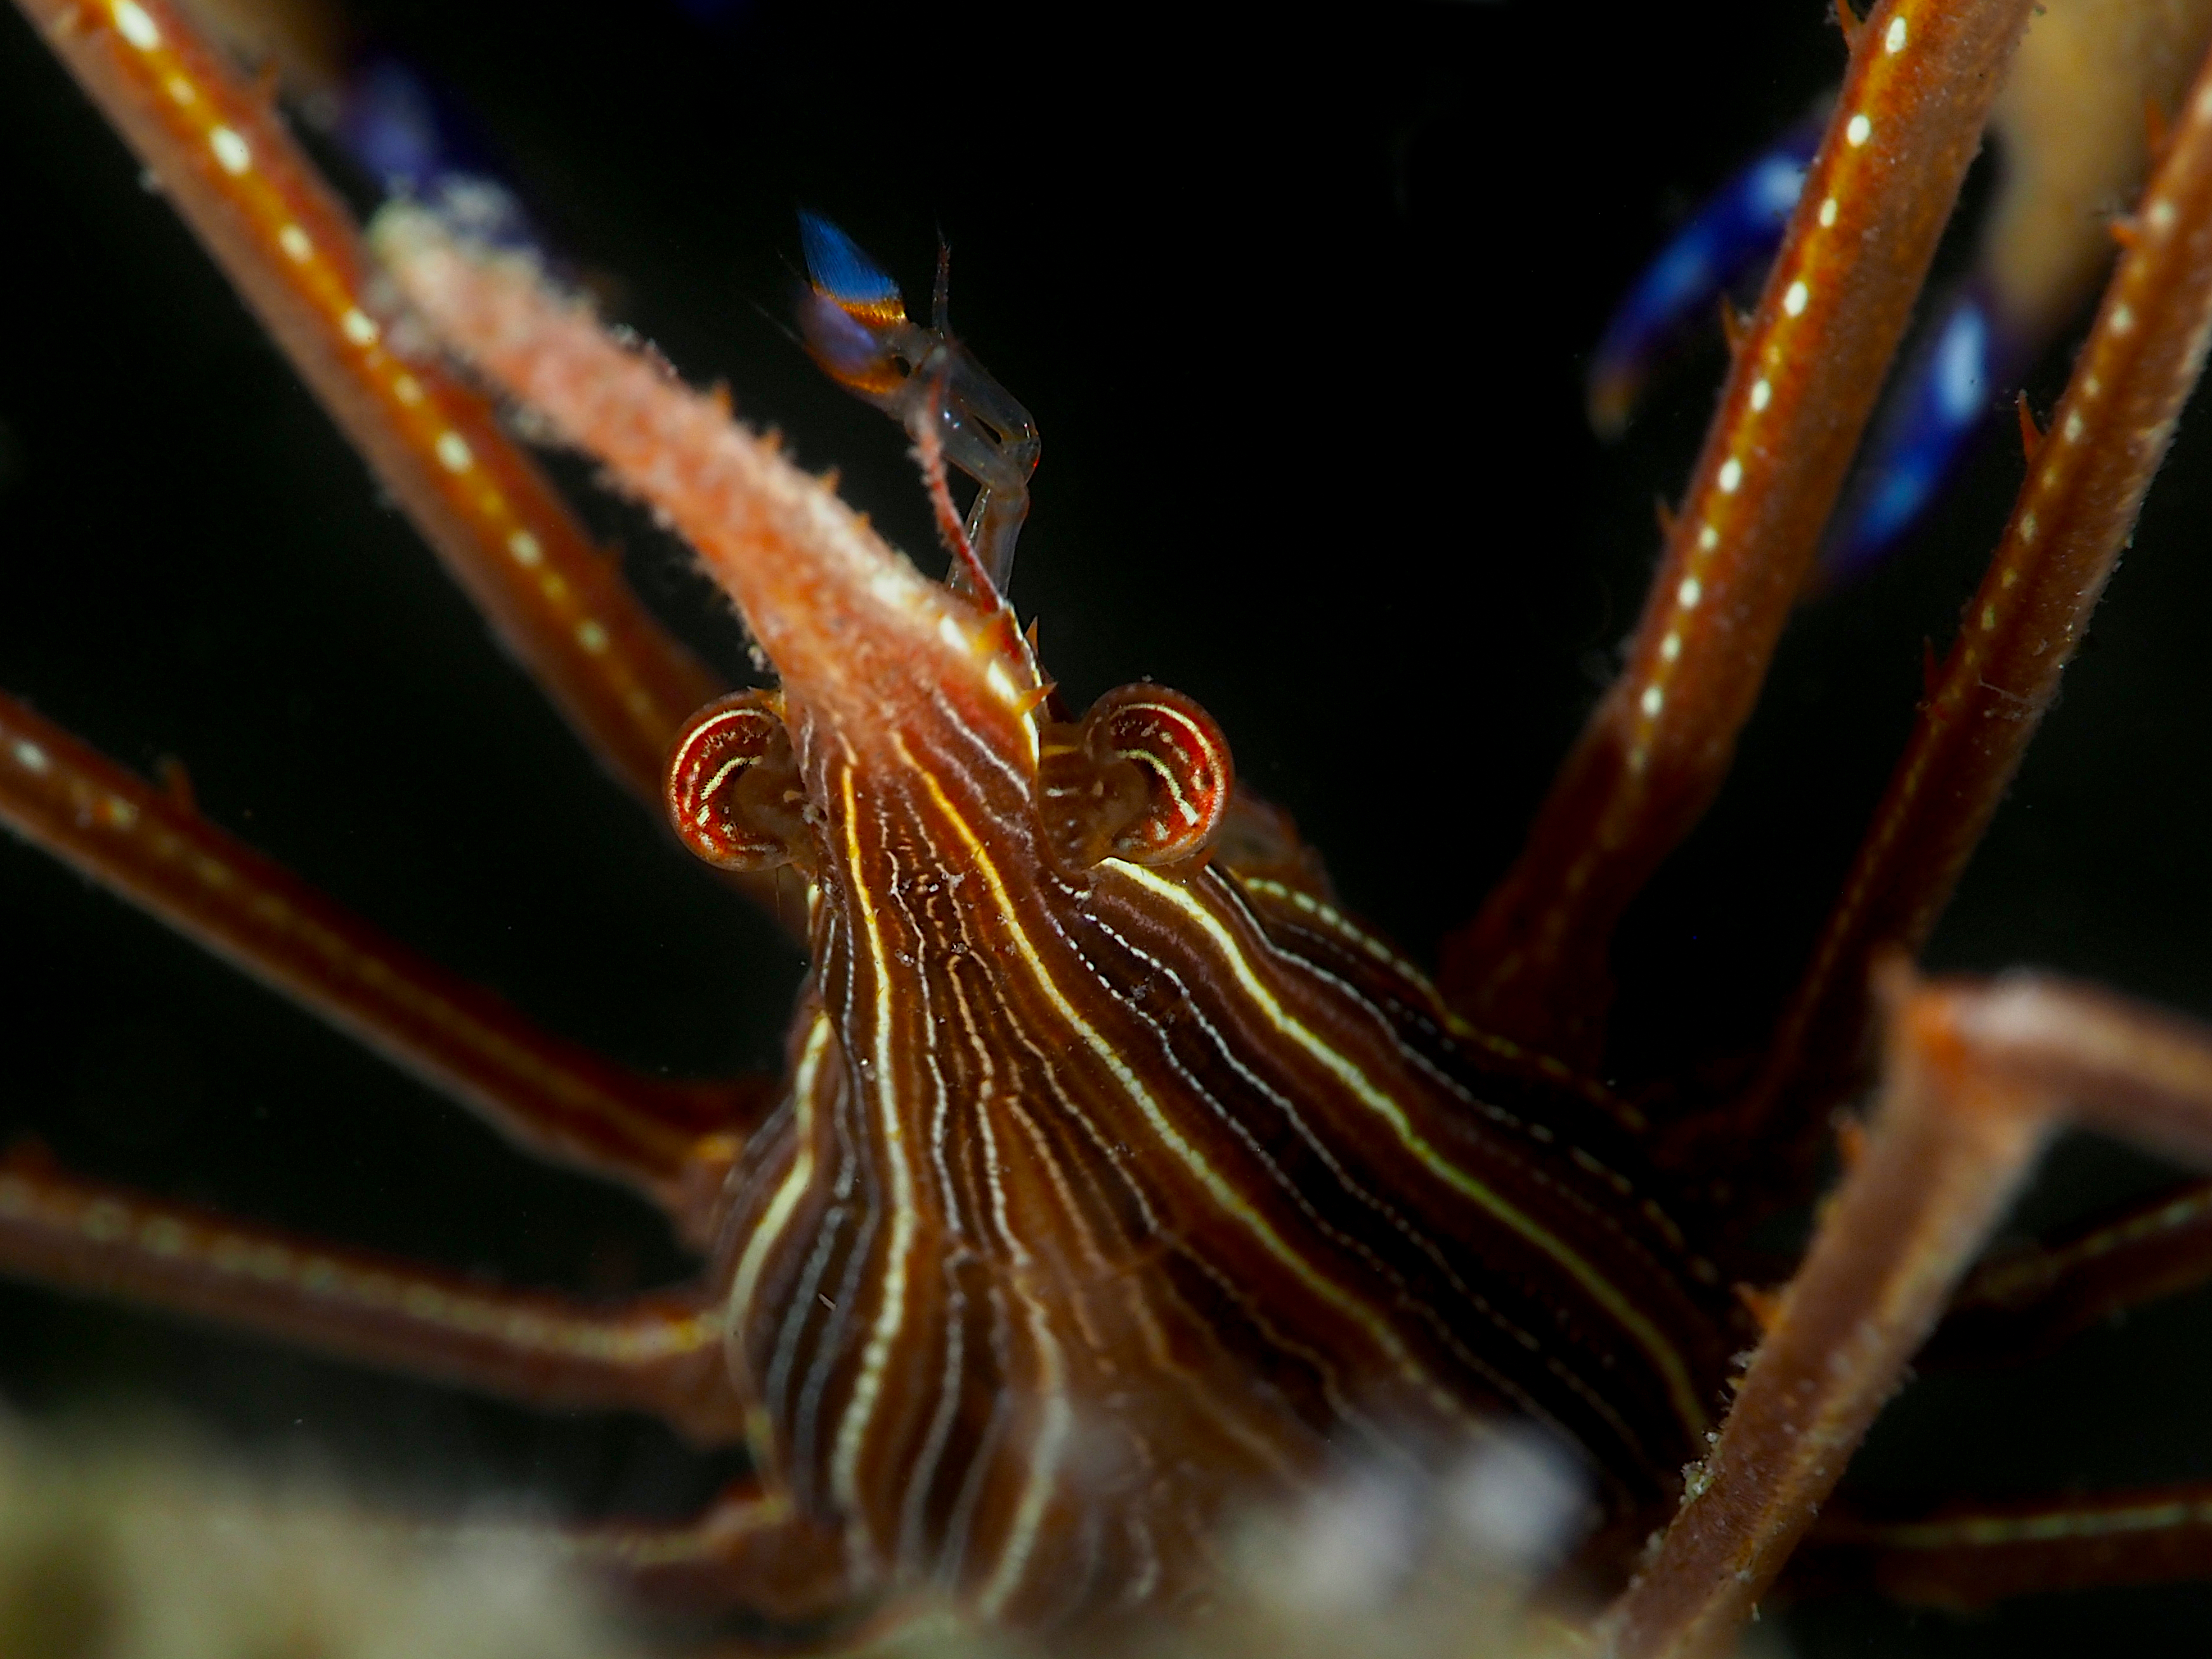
point(841, 270)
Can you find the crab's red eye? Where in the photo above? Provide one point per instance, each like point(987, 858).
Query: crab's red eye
point(1145, 776)
point(1183, 758)
point(733, 789)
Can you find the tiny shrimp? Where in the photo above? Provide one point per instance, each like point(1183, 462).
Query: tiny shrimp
point(853, 321)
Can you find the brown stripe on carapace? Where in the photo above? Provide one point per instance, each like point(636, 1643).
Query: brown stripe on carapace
point(1107, 1200)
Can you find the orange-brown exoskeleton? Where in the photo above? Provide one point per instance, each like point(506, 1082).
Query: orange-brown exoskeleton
point(1114, 1182)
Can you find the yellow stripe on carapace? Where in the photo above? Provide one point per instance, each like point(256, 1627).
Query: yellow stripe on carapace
point(875, 1359)
point(1338, 923)
point(1223, 1191)
point(1648, 1336)
point(796, 1180)
point(1045, 1452)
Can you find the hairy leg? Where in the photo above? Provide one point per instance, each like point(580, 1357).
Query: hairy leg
point(749, 1572)
point(1532, 964)
point(672, 1141)
point(2029, 1300)
point(1977, 1078)
point(1964, 1555)
point(227, 164)
point(750, 1559)
point(2076, 509)
point(659, 1353)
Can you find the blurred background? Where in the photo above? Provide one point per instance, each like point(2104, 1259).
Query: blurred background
point(1303, 312)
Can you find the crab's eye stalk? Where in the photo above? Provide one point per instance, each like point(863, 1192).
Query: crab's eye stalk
point(733, 788)
point(1145, 776)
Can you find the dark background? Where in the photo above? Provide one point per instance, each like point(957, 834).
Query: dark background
point(1301, 310)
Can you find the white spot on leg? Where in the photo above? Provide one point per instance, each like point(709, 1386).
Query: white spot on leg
point(2028, 527)
point(2072, 428)
point(1793, 301)
point(358, 326)
point(524, 548)
point(2124, 319)
point(1670, 647)
point(1730, 475)
point(1708, 539)
point(31, 757)
point(1828, 213)
point(133, 23)
point(1653, 701)
point(1762, 392)
point(294, 241)
point(453, 451)
point(231, 153)
point(2159, 216)
point(1689, 593)
point(591, 636)
point(1858, 132)
point(1893, 39)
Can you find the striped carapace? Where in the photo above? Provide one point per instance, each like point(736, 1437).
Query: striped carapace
point(1326, 1163)
point(1119, 1185)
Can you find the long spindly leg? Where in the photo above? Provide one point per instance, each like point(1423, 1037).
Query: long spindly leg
point(2076, 508)
point(1532, 964)
point(789, 1580)
point(1964, 1553)
point(672, 1141)
point(1977, 1079)
point(658, 1354)
point(1962, 1556)
point(226, 163)
point(2029, 1300)
point(749, 1565)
